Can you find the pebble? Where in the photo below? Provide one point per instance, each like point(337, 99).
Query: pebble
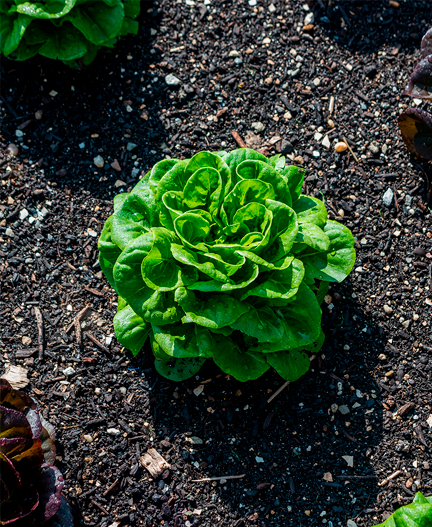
point(344, 410)
point(19, 133)
point(415, 317)
point(98, 161)
point(374, 148)
point(130, 147)
point(258, 126)
point(234, 53)
point(68, 371)
point(198, 390)
point(388, 197)
point(316, 81)
point(326, 142)
point(23, 214)
point(119, 183)
point(88, 438)
point(388, 309)
point(340, 147)
point(195, 440)
point(309, 19)
point(272, 8)
point(26, 341)
point(113, 432)
point(116, 166)
point(334, 408)
point(13, 149)
point(123, 390)
point(259, 459)
point(38, 115)
point(82, 145)
point(351, 523)
point(315, 153)
point(252, 3)
point(172, 80)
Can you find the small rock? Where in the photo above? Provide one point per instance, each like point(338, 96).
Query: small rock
point(340, 147)
point(119, 183)
point(23, 214)
point(351, 523)
point(388, 197)
point(26, 341)
point(234, 53)
point(12, 149)
point(334, 408)
point(266, 40)
point(19, 133)
point(309, 19)
point(328, 477)
point(326, 142)
point(88, 438)
point(172, 80)
point(123, 390)
point(38, 115)
point(199, 390)
point(130, 147)
point(374, 148)
point(116, 166)
point(349, 460)
point(98, 161)
point(53, 93)
point(82, 145)
point(113, 432)
point(388, 310)
point(318, 136)
point(286, 147)
point(195, 440)
point(344, 410)
point(252, 3)
point(68, 371)
point(315, 153)
point(257, 126)
point(9, 232)
point(259, 459)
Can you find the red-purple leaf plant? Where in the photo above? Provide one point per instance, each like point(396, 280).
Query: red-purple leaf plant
point(415, 124)
point(30, 484)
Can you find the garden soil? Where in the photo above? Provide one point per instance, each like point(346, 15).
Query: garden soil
point(349, 442)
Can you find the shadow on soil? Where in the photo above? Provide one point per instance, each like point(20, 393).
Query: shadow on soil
point(290, 450)
point(95, 111)
point(366, 27)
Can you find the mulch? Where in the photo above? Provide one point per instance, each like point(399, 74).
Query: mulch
point(351, 439)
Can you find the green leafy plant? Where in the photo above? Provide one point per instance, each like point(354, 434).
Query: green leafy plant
point(220, 256)
point(416, 124)
point(417, 514)
point(67, 30)
point(30, 484)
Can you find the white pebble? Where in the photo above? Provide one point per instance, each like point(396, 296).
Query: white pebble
point(98, 161)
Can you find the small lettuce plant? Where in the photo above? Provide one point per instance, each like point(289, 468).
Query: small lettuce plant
point(30, 484)
point(221, 257)
point(417, 514)
point(67, 30)
point(416, 124)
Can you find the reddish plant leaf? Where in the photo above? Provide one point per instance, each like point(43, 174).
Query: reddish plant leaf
point(49, 486)
point(416, 129)
point(420, 83)
point(19, 401)
point(426, 44)
point(20, 504)
point(14, 424)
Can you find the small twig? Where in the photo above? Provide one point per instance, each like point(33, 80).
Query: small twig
point(430, 276)
point(386, 480)
point(94, 291)
point(218, 478)
point(80, 315)
point(100, 507)
point(350, 149)
point(278, 391)
point(356, 477)
point(40, 327)
point(78, 332)
point(396, 200)
point(238, 139)
point(97, 343)
point(110, 488)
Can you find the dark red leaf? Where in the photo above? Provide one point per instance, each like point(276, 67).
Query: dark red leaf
point(49, 486)
point(19, 401)
point(21, 503)
point(420, 83)
point(426, 44)
point(14, 424)
point(416, 129)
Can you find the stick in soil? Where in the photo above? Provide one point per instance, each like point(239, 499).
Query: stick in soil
point(284, 385)
point(97, 343)
point(217, 478)
point(350, 149)
point(78, 318)
point(238, 139)
point(40, 327)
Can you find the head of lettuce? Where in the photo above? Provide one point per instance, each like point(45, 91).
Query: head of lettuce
point(221, 257)
point(68, 30)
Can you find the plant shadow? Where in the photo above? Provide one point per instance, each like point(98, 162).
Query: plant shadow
point(367, 27)
point(110, 108)
point(291, 450)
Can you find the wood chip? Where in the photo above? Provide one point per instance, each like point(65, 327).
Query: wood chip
point(407, 407)
point(238, 139)
point(154, 462)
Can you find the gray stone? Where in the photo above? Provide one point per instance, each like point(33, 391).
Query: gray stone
point(388, 197)
point(344, 410)
point(113, 432)
point(172, 80)
point(68, 371)
point(309, 19)
point(374, 148)
point(98, 161)
point(257, 126)
point(130, 147)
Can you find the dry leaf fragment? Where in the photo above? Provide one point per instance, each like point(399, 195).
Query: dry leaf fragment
point(16, 375)
point(328, 477)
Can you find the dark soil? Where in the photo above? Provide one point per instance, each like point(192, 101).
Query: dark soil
point(372, 362)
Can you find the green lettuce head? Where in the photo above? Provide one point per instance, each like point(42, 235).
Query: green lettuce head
point(221, 257)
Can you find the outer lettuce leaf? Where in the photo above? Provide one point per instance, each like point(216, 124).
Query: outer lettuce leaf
point(416, 129)
point(418, 514)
